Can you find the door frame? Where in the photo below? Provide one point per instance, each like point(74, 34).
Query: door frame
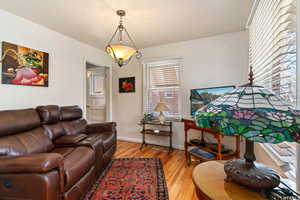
point(108, 72)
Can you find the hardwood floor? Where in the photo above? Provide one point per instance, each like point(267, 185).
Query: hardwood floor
point(178, 175)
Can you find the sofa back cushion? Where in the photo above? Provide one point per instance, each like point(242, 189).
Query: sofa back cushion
point(54, 131)
point(72, 121)
point(50, 116)
point(74, 127)
point(69, 113)
point(33, 141)
point(21, 133)
point(17, 121)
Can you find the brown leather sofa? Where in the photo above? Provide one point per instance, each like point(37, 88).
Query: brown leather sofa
point(51, 153)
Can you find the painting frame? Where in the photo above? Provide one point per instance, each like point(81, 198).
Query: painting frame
point(216, 91)
point(24, 66)
point(127, 85)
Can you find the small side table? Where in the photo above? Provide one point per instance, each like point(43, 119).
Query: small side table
point(164, 133)
point(208, 178)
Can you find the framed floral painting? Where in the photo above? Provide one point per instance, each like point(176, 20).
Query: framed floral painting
point(24, 66)
point(127, 85)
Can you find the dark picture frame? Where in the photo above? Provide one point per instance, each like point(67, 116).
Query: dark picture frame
point(202, 96)
point(127, 85)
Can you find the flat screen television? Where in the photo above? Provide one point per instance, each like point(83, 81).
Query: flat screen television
point(201, 97)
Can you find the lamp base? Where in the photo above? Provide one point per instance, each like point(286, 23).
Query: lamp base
point(254, 175)
point(161, 118)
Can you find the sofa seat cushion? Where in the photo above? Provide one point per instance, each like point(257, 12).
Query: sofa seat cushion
point(77, 164)
point(64, 151)
point(70, 139)
point(74, 127)
point(108, 138)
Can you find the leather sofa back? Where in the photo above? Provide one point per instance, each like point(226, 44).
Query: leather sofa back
point(69, 113)
point(16, 121)
point(59, 121)
point(21, 133)
point(72, 121)
point(50, 116)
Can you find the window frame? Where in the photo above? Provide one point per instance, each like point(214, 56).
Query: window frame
point(147, 64)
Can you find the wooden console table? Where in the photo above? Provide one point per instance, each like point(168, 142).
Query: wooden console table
point(189, 123)
point(165, 133)
point(209, 182)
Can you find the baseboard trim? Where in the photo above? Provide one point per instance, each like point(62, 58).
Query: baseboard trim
point(137, 140)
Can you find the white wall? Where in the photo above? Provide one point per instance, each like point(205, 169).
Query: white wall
point(66, 65)
point(208, 62)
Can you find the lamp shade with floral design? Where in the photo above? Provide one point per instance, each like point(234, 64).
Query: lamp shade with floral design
point(254, 113)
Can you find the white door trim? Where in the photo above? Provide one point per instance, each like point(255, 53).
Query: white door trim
point(108, 71)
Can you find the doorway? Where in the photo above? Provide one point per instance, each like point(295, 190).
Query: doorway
point(97, 89)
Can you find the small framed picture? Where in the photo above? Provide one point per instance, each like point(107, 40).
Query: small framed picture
point(127, 85)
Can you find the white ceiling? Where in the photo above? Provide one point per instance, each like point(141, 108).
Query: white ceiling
point(149, 22)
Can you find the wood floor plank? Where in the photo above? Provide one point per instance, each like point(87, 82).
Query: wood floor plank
point(178, 175)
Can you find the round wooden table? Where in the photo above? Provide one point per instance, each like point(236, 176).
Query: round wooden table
point(208, 178)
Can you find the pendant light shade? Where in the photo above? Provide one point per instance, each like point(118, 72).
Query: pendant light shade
point(120, 53)
point(118, 49)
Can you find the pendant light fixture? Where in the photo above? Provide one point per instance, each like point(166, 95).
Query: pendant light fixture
point(121, 47)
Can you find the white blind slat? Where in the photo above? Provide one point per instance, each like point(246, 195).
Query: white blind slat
point(272, 47)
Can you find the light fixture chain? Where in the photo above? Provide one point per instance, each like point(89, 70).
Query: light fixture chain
point(130, 38)
point(120, 52)
point(113, 36)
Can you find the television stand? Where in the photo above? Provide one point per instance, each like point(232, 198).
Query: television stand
point(189, 123)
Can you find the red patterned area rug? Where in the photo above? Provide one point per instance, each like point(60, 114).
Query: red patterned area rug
point(131, 179)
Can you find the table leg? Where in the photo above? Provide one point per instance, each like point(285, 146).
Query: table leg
point(186, 145)
point(170, 148)
point(143, 141)
point(219, 156)
point(238, 146)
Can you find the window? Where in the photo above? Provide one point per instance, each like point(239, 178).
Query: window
point(272, 49)
point(162, 84)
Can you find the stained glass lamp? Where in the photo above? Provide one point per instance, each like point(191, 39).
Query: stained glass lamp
point(119, 51)
point(258, 115)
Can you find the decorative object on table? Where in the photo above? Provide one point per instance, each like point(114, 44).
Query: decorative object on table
point(161, 108)
point(258, 115)
point(208, 178)
point(201, 97)
point(212, 172)
point(121, 48)
point(148, 129)
point(131, 174)
point(147, 118)
point(24, 66)
point(127, 85)
point(220, 154)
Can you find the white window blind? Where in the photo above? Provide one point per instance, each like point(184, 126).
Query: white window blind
point(273, 47)
point(162, 84)
point(272, 54)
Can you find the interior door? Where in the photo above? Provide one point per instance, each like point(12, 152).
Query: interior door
point(96, 95)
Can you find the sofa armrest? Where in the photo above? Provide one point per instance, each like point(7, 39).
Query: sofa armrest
point(101, 127)
point(33, 163)
point(69, 140)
